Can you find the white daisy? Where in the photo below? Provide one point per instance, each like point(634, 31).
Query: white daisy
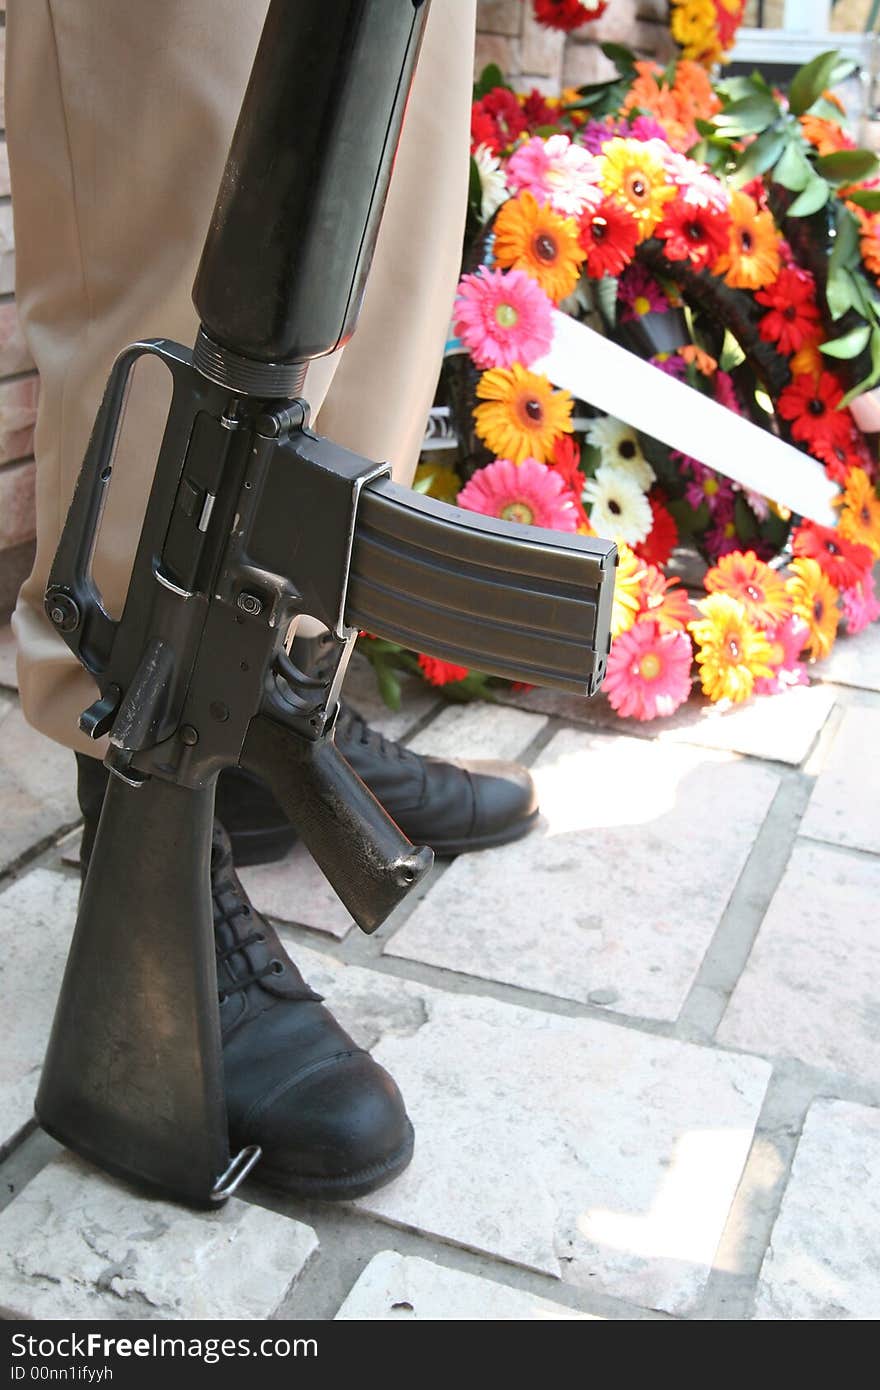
point(492, 181)
point(619, 446)
point(619, 510)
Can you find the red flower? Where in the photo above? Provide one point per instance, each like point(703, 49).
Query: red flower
point(438, 672)
point(693, 233)
point(537, 112)
point(566, 14)
point(811, 406)
point(609, 235)
point(837, 457)
point(497, 120)
point(663, 536)
point(793, 316)
point(566, 462)
point(842, 562)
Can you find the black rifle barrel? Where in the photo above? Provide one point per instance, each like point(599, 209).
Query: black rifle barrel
point(285, 261)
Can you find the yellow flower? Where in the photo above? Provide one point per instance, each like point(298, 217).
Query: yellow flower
point(637, 180)
point(694, 26)
point(752, 260)
point(814, 599)
point(540, 242)
point(438, 480)
point(522, 414)
point(731, 652)
point(860, 511)
point(627, 590)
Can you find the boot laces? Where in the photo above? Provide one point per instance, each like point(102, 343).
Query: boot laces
point(240, 944)
point(355, 727)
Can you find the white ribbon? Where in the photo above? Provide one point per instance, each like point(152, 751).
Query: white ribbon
point(614, 380)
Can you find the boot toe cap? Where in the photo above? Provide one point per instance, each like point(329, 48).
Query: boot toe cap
point(337, 1131)
point(505, 800)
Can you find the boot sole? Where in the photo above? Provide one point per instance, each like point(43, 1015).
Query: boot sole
point(267, 846)
point(341, 1189)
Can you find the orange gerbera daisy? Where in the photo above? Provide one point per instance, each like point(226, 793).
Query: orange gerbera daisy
point(753, 259)
point(627, 590)
point(869, 237)
point(533, 238)
point(731, 652)
point(759, 589)
point(522, 414)
point(665, 601)
point(633, 177)
point(808, 360)
point(814, 599)
point(860, 511)
point(826, 137)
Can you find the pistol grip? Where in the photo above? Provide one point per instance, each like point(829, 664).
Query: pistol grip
point(367, 859)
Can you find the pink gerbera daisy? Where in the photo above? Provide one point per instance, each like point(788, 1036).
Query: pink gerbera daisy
point(527, 492)
point(503, 318)
point(639, 294)
point(787, 641)
point(649, 671)
point(556, 172)
point(860, 606)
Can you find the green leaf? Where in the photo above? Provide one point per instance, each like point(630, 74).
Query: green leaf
point(814, 197)
point(873, 376)
point(793, 170)
point(623, 58)
point(845, 248)
point(389, 685)
point(840, 292)
point(810, 82)
point(475, 189)
point(735, 88)
point(606, 296)
point(850, 345)
point(490, 78)
point(731, 353)
point(744, 519)
point(867, 198)
point(760, 156)
point(423, 484)
point(847, 165)
point(748, 116)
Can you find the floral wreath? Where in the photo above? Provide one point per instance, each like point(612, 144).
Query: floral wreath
point(746, 267)
point(705, 30)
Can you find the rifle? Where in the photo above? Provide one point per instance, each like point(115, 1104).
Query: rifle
point(252, 521)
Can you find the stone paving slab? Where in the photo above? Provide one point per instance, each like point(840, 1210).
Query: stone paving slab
point(362, 691)
point(854, 660)
point(614, 899)
point(79, 1246)
point(37, 915)
point(8, 675)
point(404, 1287)
point(782, 728)
point(844, 807)
point(603, 1156)
point(37, 784)
point(479, 730)
point(822, 1263)
point(811, 989)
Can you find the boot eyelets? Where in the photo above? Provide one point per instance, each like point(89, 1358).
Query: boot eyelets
point(223, 999)
point(277, 967)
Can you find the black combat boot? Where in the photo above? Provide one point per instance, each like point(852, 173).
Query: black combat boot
point(451, 806)
point(330, 1121)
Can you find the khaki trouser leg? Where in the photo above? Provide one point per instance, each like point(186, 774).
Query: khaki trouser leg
point(119, 118)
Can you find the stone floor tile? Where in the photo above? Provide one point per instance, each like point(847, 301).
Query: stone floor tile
point(363, 692)
point(811, 987)
point(614, 899)
point(822, 1264)
point(404, 1287)
point(8, 676)
point(37, 914)
point(600, 1155)
point(79, 1246)
point(294, 889)
point(478, 730)
point(854, 660)
point(845, 804)
point(781, 728)
point(37, 784)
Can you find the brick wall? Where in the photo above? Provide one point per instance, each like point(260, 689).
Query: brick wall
point(507, 35)
point(18, 399)
point(533, 56)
